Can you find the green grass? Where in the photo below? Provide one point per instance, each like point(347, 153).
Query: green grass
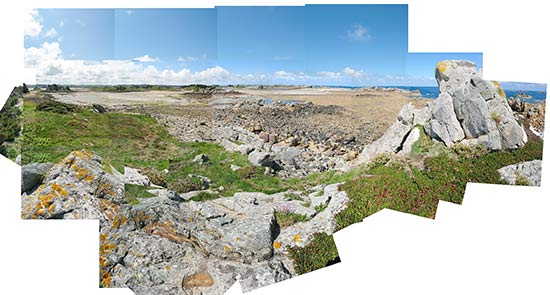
point(137, 141)
point(320, 208)
point(285, 218)
point(204, 196)
point(320, 252)
point(133, 193)
point(418, 192)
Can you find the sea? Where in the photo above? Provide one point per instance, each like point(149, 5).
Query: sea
point(432, 92)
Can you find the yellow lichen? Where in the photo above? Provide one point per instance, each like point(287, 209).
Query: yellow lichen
point(59, 190)
point(276, 245)
point(105, 249)
point(499, 89)
point(297, 238)
point(226, 248)
point(442, 66)
point(119, 220)
point(168, 267)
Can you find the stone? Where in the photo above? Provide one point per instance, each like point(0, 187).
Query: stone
point(205, 181)
point(201, 279)
point(454, 74)
point(413, 136)
point(163, 244)
point(18, 160)
point(529, 172)
point(292, 141)
point(442, 123)
point(480, 107)
point(235, 167)
point(32, 175)
point(201, 158)
point(134, 176)
point(72, 189)
point(392, 140)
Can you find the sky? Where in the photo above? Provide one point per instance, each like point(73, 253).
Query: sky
point(346, 45)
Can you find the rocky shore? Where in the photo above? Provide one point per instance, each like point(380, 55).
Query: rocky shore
point(200, 238)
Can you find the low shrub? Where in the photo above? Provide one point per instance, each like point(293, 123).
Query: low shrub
point(186, 184)
point(247, 172)
point(58, 107)
point(155, 176)
point(319, 253)
point(285, 218)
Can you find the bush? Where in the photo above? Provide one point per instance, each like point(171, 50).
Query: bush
point(185, 185)
point(10, 119)
point(247, 172)
point(156, 177)
point(319, 253)
point(56, 87)
point(53, 106)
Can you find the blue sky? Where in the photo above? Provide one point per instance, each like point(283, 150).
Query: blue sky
point(261, 39)
point(369, 37)
point(167, 35)
point(83, 33)
point(356, 45)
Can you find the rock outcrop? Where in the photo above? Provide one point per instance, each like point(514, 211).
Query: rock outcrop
point(443, 123)
point(468, 110)
point(75, 188)
point(167, 245)
point(32, 175)
point(525, 173)
point(393, 138)
point(284, 159)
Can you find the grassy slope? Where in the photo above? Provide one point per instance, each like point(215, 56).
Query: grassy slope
point(137, 141)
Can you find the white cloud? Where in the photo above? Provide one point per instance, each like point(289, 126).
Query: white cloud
point(129, 12)
point(356, 74)
point(330, 75)
point(33, 23)
point(188, 59)
point(51, 67)
point(52, 33)
point(358, 33)
point(146, 58)
point(46, 53)
point(61, 24)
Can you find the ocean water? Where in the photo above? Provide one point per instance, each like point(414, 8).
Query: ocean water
point(433, 91)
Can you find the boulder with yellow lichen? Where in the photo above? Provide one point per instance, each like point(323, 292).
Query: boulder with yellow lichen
point(167, 246)
point(72, 189)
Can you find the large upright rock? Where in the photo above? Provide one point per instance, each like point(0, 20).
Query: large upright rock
point(480, 106)
point(442, 123)
point(454, 74)
point(468, 110)
point(393, 138)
